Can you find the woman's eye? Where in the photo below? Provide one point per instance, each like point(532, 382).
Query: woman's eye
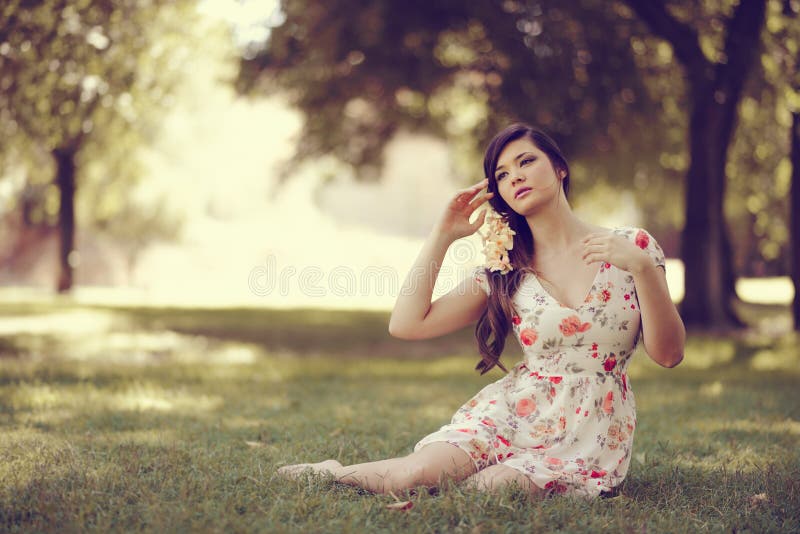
point(527, 160)
point(500, 176)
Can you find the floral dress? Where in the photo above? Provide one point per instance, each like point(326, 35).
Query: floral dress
point(565, 414)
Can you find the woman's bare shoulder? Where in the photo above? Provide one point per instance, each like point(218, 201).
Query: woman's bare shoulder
point(601, 229)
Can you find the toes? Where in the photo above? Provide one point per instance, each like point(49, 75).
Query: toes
point(292, 470)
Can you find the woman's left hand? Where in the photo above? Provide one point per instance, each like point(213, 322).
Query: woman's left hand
point(614, 249)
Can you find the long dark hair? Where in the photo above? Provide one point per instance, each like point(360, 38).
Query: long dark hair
point(495, 321)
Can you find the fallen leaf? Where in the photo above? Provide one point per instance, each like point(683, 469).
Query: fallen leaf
point(758, 499)
point(255, 444)
point(400, 505)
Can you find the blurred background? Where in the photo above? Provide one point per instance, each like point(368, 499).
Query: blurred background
point(208, 208)
point(296, 154)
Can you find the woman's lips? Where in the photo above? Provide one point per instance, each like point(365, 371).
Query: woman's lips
point(523, 192)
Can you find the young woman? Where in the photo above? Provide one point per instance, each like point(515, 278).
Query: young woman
point(578, 298)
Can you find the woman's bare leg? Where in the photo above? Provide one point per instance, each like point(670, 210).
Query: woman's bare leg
point(427, 466)
point(496, 477)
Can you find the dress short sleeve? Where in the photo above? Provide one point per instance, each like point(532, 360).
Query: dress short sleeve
point(648, 243)
point(479, 275)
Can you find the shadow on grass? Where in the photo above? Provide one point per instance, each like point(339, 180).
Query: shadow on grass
point(177, 432)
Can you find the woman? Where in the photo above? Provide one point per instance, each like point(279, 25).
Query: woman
point(578, 298)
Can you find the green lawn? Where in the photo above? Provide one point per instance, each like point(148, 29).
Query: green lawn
point(115, 419)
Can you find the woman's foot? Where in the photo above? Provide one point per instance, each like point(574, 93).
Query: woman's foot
point(294, 471)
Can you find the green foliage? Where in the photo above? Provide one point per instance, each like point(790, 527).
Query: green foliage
point(130, 426)
point(614, 95)
point(759, 171)
point(359, 71)
point(92, 76)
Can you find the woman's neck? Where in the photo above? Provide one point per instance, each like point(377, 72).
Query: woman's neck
point(556, 231)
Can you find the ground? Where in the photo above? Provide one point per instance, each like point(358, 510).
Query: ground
point(120, 419)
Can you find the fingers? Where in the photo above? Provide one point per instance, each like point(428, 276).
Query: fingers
point(590, 238)
point(474, 189)
point(593, 249)
point(477, 201)
point(479, 220)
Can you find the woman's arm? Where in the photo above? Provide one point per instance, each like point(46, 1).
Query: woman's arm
point(662, 328)
point(414, 316)
point(663, 332)
point(414, 299)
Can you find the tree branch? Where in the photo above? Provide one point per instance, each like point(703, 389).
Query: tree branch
point(742, 38)
point(682, 37)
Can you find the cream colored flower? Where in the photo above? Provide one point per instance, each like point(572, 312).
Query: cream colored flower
point(497, 241)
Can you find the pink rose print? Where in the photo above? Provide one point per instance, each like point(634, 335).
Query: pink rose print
point(528, 336)
point(572, 325)
point(525, 407)
point(608, 403)
point(555, 487)
point(577, 424)
point(641, 239)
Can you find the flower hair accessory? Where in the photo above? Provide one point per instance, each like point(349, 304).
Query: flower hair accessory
point(497, 241)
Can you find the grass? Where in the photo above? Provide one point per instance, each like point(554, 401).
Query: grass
point(128, 419)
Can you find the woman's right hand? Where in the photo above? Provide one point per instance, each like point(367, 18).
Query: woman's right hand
point(454, 223)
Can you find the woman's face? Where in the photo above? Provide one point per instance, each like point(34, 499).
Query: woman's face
point(523, 167)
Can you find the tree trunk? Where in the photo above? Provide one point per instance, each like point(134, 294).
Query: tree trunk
point(715, 89)
point(65, 179)
point(710, 281)
point(794, 207)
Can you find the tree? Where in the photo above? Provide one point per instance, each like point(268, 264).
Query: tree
point(715, 88)
point(360, 70)
point(85, 78)
point(357, 79)
point(785, 66)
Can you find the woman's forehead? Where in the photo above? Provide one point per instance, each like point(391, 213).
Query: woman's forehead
point(514, 149)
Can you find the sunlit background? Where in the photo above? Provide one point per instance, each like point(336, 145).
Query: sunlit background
point(223, 310)
point(249, 238)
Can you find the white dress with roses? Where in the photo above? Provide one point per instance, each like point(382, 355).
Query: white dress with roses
point(565, 414)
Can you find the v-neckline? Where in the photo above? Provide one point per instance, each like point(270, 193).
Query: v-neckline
point(586, 294)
